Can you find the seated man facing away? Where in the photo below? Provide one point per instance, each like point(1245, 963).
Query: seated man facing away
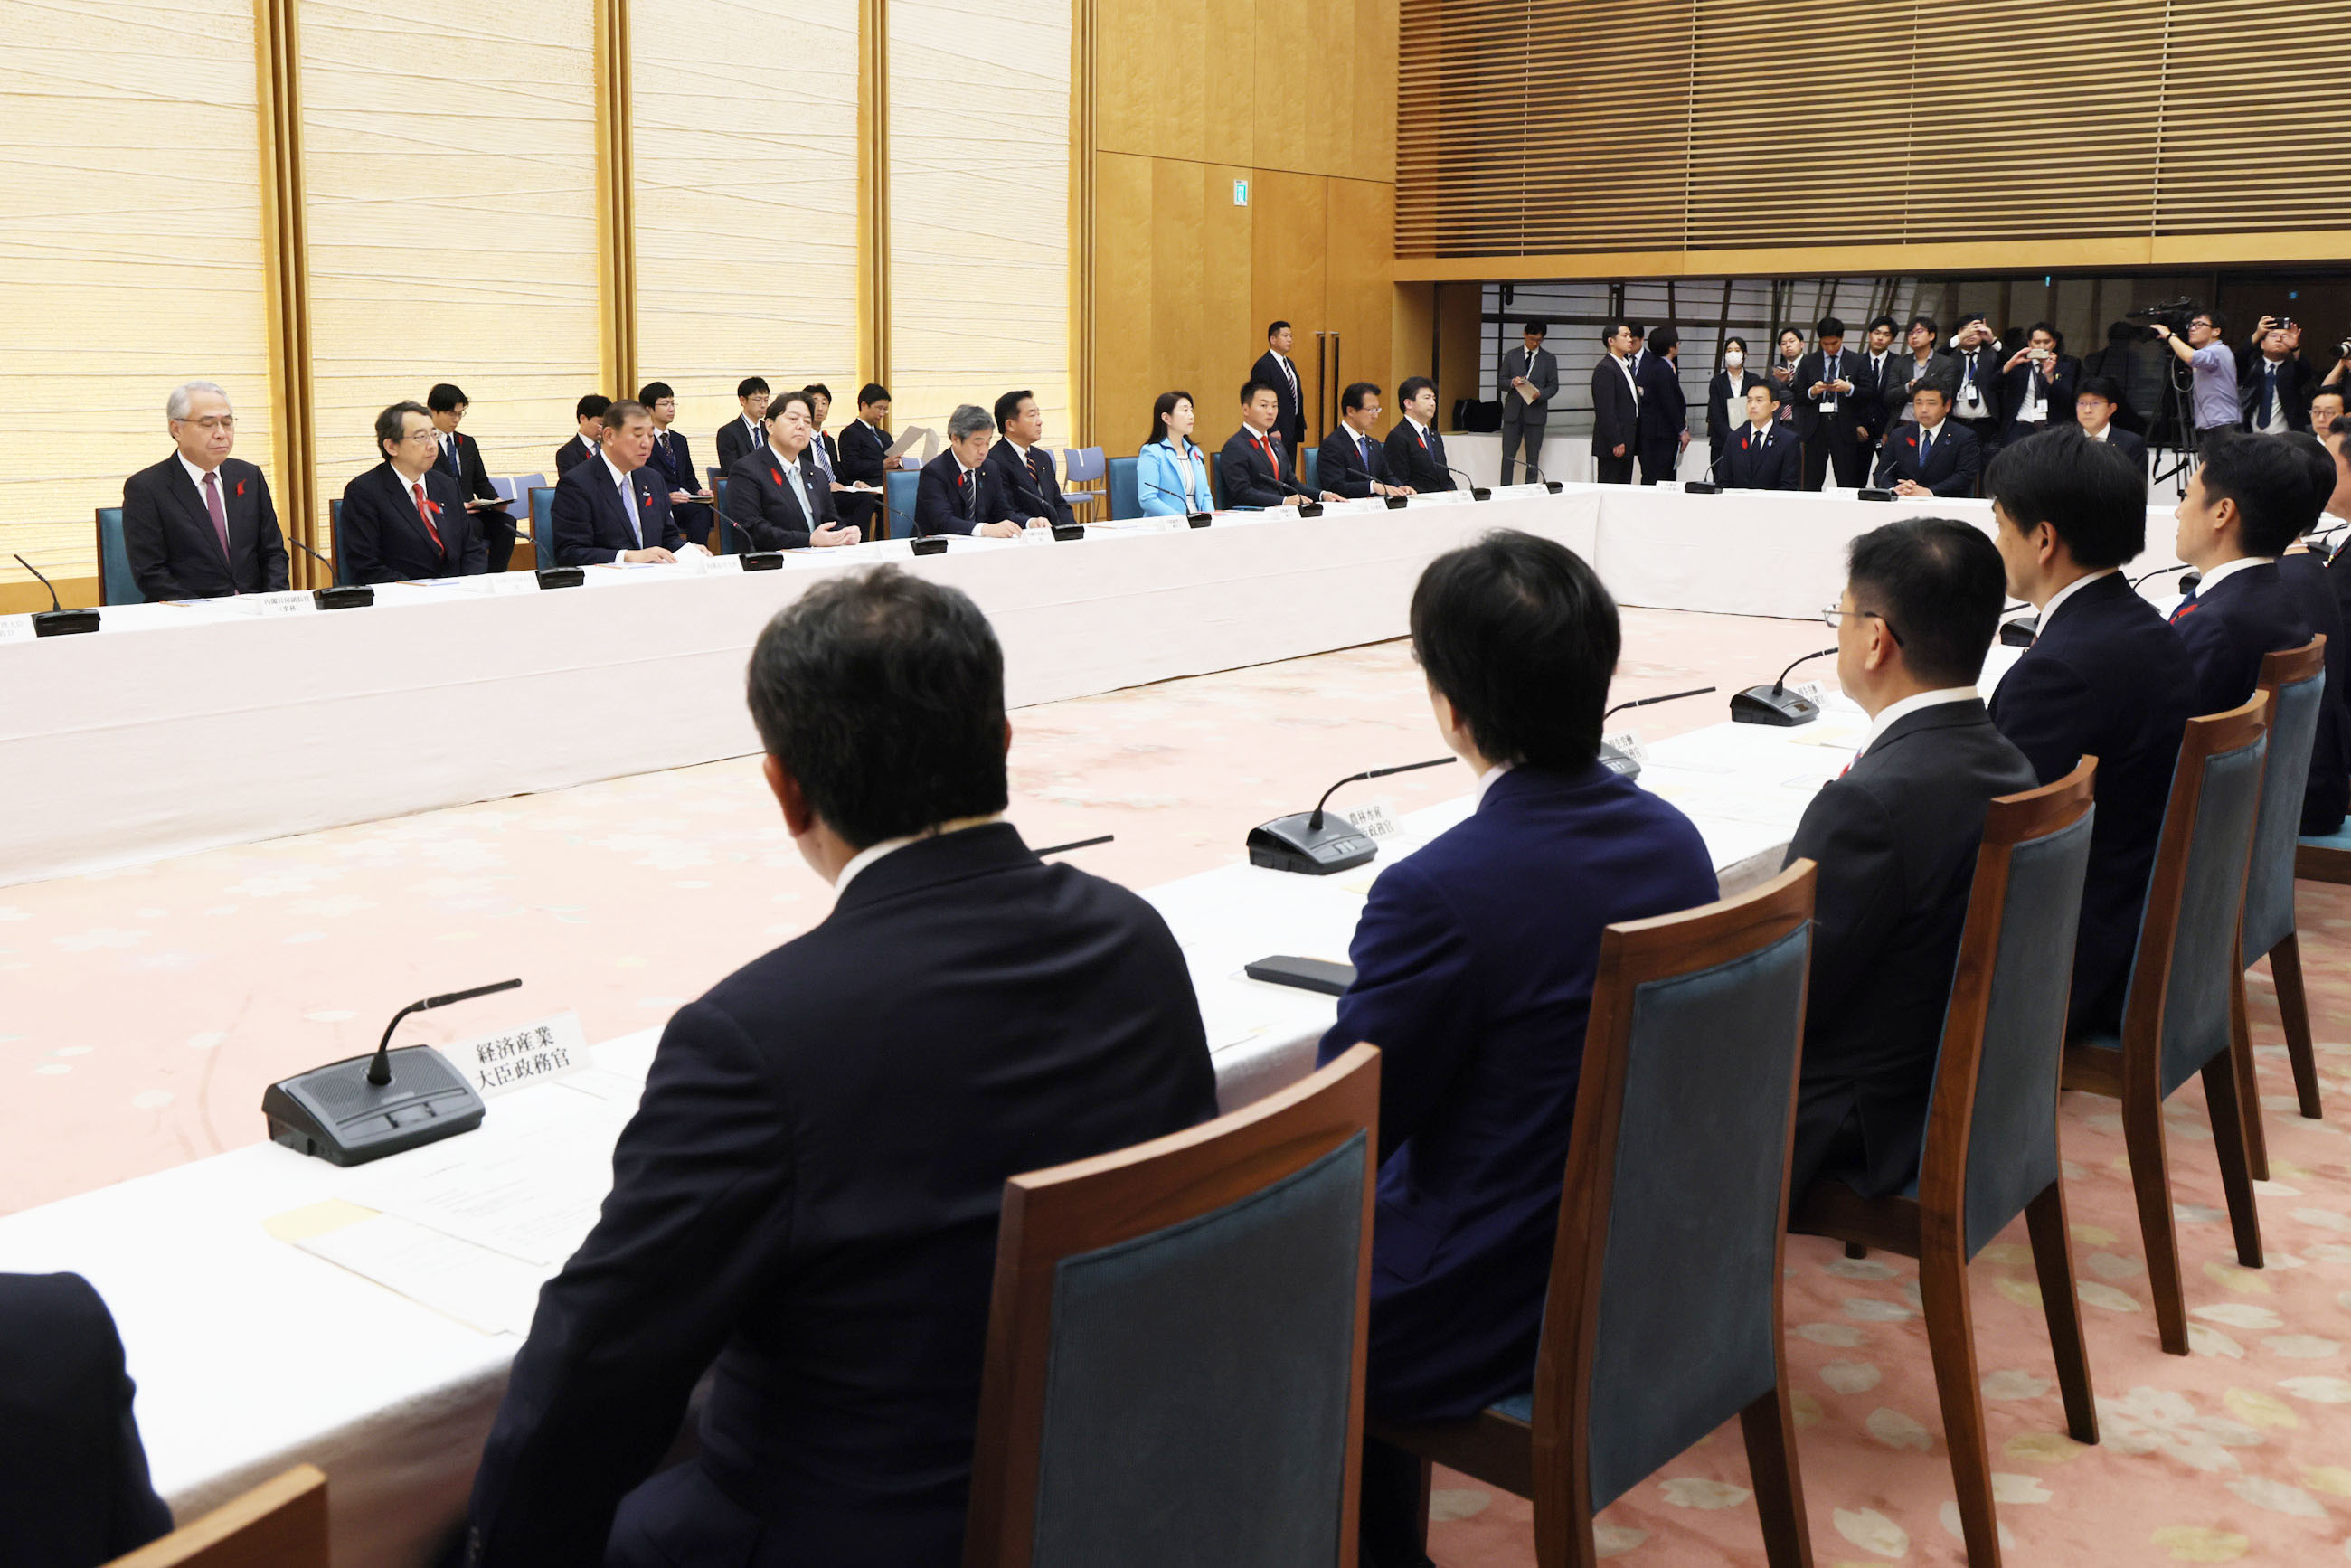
point(1474, 963)
point(2328, 788)
point(1762, 454)
point(74, 1487)
point(2103, 678)
point(2243, 508)
point(805, 1204)
point(405, 519)
point(1895, 838)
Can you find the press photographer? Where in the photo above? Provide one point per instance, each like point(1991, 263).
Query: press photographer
point(2273, 380)
point(2213, 393)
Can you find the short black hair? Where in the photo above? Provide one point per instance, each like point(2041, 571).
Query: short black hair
point(445, 398)
point(389, 425)
point(2318, 467)
point(1521, 638)
point(2089, 491)
point(883, 693)
point(2056, 338)
point(1538, 329)
point(652, 393)
point(2104, 386)
point(2220, 319)
point(1888, 322)
point(1828, 327)
point(1937, 384)
point(1412, 387)
point(2335, 389)
point(1276, 326)
point(1357, 395)
point(1778, 393)
point(592, 406)
point(872, 392)
point(750, 386)
point(1926, 321)
point(776, 407)
point(1252, 387)
point(1612, 327)
point(1940, 587)
point(818, 389)
point(2265, 477)
point(1006, 406)
point(1664, 338)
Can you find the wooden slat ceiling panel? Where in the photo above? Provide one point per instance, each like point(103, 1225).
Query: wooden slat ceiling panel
point(1548, 126)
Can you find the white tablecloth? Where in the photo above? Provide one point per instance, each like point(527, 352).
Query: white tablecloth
point(182, 726)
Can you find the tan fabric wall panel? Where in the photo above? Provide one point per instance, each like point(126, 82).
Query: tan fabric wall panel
point(449, 152)
point(131, 256)
point(746, 149)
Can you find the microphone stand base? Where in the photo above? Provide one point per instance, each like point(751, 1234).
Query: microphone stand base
point(1778, 705)
point(763, 560)
point(2020, 633)
point(344, 596)
point(1311, 510)
point(334, 1113)
point(1553, 485)
point(562, 576)
point(1481, 493)
point(1289, 843)
point(1700, 487)
point(1063, 533)
point(930, 544)
point(1868, 493)
point(64, 622)
point(1199, 519)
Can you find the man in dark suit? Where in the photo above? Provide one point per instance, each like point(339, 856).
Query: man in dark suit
point(2306, 577)
point(775, 497)
point(1977, 402)
point(200, 524)
point(1416, 450)
point(1276, 368)
point(1255, 469)
point(2038, 383)
point(1922, 364)
point(1833, 388)
point(460, 458)
point(1933, 455)
point(865, 446)
point(1664, 422)
point(1474, 980)
point(74, 1486)
point(2242, 508)
point(1529, 381)
point(1615, 408)
point(1350, 462)
point(749, 433)
point(2273, 380)
point(805, 1204)
point(1024, 471)
point(589, 411)
point(959, 493)
point(1880, 359)
point(614, 509)
point(1895, 838)
point(404, 518)
point(2103, 678)
point(2095, 400)
point(673, 462)
point(1761, 454)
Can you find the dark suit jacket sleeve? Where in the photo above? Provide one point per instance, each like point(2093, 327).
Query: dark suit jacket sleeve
point(934, 507)
point(574, 524)
point(1858, 892)
point(1412, 998)
point(1782, 474)
point(2044, 707)
point(1966, 459)
point(1238, 477)
point(473, 556)
point(1545, 375)
point(861, 454)
point(143, 538)
point(2219, 664)
point(1339, 467)
point(701, 1207)
point(568, 456)
point(662, 527)
point(358, 536)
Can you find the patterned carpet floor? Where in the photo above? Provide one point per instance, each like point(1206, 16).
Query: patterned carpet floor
point(147, 1008)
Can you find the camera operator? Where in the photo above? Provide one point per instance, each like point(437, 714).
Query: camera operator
point(1976, 402)
point(2273, 380)
point(2341, 372)
point(2212, 393)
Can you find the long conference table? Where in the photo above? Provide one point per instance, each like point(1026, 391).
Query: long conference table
point(186, 726)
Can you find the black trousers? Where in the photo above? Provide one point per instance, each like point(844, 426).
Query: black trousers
point(1834, 448)
point(1392, 1512)
point(695, 520)
point(1518, 433)
point(497, 538)
point(1988, 433)
point(1610, 470)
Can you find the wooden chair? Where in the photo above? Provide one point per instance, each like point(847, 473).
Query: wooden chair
point(1992, 1126)
point(2296, 682)
point(1174, 1368)
point(281, 1523)
point(1664, 1316)
point(2186, 986)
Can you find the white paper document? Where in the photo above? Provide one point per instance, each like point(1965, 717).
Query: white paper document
point(472, 1284)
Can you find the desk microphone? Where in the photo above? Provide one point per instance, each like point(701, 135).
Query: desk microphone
point(1624, 762)
point(1545, 480)
point(1306, 843)
point(1198, 519)
point(1775, 704)
point(1476, 492)
point(334, 596)
point(2019, 632)
point(57, 620)
point(351, 1111)
point(2186, 584)
point(1704, 485)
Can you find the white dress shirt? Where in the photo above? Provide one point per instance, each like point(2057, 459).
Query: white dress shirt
point(1485, 783)
point(1889, 715)
point(871, 853)
point(2229, 569)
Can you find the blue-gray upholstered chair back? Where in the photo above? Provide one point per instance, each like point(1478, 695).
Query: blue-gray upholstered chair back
point(1196, 1408)
point(115, 584)
point(1125, 490)
point(2268, 884)
point(900, 487)
point(1684, 1338)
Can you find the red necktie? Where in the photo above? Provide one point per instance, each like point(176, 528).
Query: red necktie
point(1272, 458)
point(424, 516)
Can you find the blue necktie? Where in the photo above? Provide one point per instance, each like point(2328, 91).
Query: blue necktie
point(1926, 444)
point(1367, 452)
point(2269, 394)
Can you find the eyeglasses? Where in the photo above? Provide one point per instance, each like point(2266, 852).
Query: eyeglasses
point(1834, 614)
point(425, 432)
point(212, 422)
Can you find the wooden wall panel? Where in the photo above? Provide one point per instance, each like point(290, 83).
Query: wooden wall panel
point(1359, 300)
point(1169, 84)
point(1289, 275)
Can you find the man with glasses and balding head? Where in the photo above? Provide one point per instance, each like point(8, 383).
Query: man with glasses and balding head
point(200, 524)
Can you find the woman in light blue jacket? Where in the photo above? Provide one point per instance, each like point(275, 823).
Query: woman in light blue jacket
point(1171, 476)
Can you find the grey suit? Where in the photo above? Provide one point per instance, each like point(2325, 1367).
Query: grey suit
point(1523, 422)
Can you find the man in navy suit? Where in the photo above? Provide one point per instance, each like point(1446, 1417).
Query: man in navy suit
point(2095, 399)
point(1255, 469)
point(673, 462)
point(74, 1486)
point(1350, 462)
point(776, 498)
point(804, 1206)
point(1895, 839)
point(200, 524)
point(1835, 393)
point(404, 518)
point(613, 508)
point(1277, 370)
point(2242, 508)
point(1664, 422)
point(460, 458)
point(2307, 578)
point(588, 412)
point(959, 494)
point(1978, 400)
point(1024, 471)
point(1474, 974)
point(1937, 455)
point(1416, 450)
point(1615, 407)
point(2103, 678)
point(1761, 453)
point(749, 433)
